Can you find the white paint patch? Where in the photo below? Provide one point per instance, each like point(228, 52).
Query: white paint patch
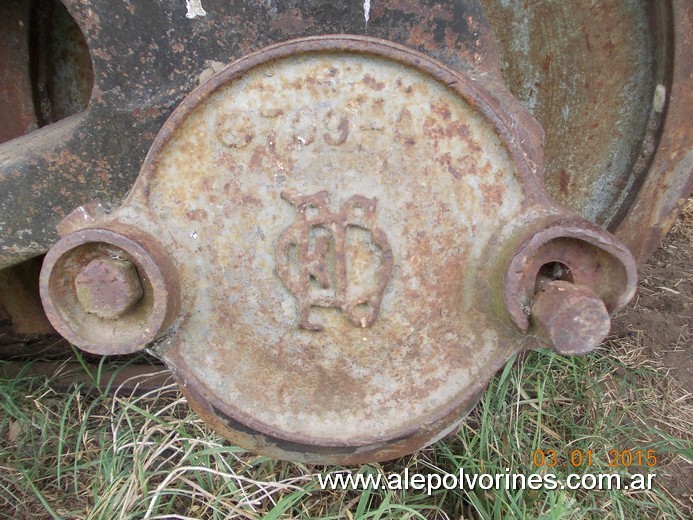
point(660, 97)
point(366, 10)
point(565, 111)
point(194, 8)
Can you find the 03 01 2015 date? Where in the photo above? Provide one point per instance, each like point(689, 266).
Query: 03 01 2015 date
point(582, 458)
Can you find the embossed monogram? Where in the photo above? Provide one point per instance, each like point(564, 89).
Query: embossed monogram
point(334, 259)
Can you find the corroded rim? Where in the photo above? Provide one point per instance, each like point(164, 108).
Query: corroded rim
point(326, 452)
point(56, 287)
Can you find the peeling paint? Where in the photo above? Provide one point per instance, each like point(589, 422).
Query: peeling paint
point(212, 67)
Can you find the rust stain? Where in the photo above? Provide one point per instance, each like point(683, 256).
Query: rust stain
point(493, 193)
point(586, 36)
point(437, 11)
point(198, 215)
point(563, 181)
point(446, 160)
point(373, 83)
point(547, 61)
point(72, 282)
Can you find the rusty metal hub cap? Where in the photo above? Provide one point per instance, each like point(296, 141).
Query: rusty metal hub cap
point(342, 214)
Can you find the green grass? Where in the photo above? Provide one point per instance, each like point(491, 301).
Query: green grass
point(73, 455)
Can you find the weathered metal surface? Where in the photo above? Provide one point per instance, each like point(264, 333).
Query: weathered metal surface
point(610, 82)
point(24, 328)
point(573, 318)
point(20, 301)
point(339, 212)
point(81, 217)
point(147, 56)
point(303, 222)
point(17, 115)
point(132, 73)
point(670, 179)
point(62, 75)
point(90, 295)
point(599, 77)
point(586, 71)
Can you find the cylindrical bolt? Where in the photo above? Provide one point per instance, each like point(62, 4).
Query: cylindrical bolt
point(108, 287)
point(572, 317)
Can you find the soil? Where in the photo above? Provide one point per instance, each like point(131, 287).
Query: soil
point(661, 313)
point(658, 321)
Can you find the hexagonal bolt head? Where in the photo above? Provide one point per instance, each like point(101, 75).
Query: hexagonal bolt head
point(572, 317)
point(108, 288)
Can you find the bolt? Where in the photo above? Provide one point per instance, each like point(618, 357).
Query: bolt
point(572, 317)
point(108, 287)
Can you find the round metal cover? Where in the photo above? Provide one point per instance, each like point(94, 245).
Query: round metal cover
point(328, 204)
